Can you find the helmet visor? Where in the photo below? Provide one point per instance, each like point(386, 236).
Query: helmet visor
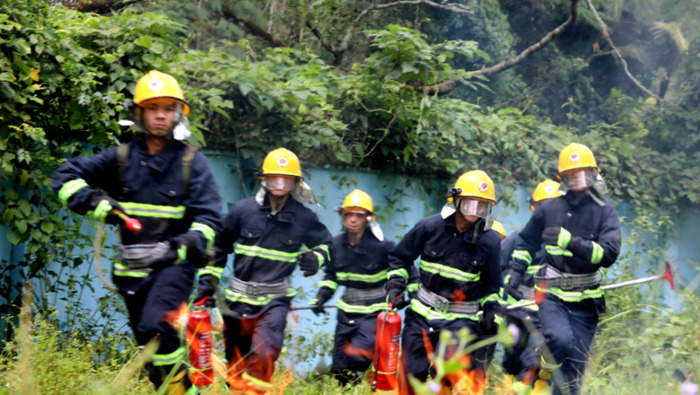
point(479, 208)
point(579, 179)
point(281, 183)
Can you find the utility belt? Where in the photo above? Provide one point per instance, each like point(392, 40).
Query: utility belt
point(253, 289)
point(527, 292)
point(444, 305)
point(354, 295)
point(141, 256)
point(553, 278)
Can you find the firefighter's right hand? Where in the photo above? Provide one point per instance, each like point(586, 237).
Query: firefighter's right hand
point(487, 323)
point(324, 294)
point(394, 291)
point(308, 263)
point(397, 299)
point(102, 206)
point(207, 288)
point(318, 307)
point(513, 280)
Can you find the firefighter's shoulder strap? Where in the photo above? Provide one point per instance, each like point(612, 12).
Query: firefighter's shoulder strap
point(187, 158)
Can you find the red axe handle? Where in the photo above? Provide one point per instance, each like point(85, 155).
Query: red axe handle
point(132, 224)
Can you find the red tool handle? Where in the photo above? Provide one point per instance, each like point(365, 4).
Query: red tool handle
point(202, 301)
point(132, 224)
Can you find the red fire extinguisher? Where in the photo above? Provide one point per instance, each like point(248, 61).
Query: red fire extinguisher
point(201, 344)
point(386, 351)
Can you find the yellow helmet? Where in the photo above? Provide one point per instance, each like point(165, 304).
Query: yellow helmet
point(498, 227)
point(357, 199)
point(576, 156)
point(547, 189)
point(475, 184)
point(156, 85)
point(281, 161)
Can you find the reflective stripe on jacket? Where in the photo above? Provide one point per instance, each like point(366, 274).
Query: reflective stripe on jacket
point(362, 266)
point(267, 246)
point(150, 188)
point(595, 228)
point(457, 266)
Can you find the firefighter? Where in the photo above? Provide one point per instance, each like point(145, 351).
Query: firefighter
point(266, 232)
point(484, 355)
point(170, 189)
point(358, 262)
point(500, 229)
point(459, 273)
point(521, 361)
point(581, 233)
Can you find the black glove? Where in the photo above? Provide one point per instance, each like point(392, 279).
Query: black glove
point(487, 323)
point(207, 287)
point(102, 206)
point(394, 290)
point(515, 278)
point(556, 236)
point(308, 263)
point(322, 297)
point(189, 241)
point(169, 258)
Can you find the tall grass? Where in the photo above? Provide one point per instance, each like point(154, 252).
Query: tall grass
point(644, 349)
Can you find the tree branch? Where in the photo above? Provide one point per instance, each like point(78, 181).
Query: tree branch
point(336, 52)
point(606, 36)
point(449, 85)
point(252, 26)
point(100, 6)
point(339, 50)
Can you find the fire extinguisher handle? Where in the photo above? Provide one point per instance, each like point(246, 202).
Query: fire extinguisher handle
point(202, 301)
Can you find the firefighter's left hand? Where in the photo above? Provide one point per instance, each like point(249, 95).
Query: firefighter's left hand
point(189, 241)
point(172, 256)
point(308, 263)
point(488, 320)
point(556, 236)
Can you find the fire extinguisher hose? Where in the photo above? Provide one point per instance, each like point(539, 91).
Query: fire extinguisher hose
point(97, 254)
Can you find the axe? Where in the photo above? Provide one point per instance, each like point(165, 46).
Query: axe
point(325, 306)
point(667, 275)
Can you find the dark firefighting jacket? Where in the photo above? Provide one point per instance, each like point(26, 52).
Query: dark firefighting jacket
point(595, 242)
point(457, 266)
point(149, 188)
point(363, 266)
point(267, 246)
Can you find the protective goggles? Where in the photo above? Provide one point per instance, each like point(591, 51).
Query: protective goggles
point(280, 182)
point(478, 208)
point(356, 213)
point(578, 179)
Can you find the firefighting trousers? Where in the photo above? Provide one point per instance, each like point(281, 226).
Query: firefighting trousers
point(355, 337)
point(568, 329)
point(420, 337)
point(153, 303)
point(253, 345)
point(522, 359)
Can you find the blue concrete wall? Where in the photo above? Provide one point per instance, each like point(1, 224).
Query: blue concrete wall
point(399, 206)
